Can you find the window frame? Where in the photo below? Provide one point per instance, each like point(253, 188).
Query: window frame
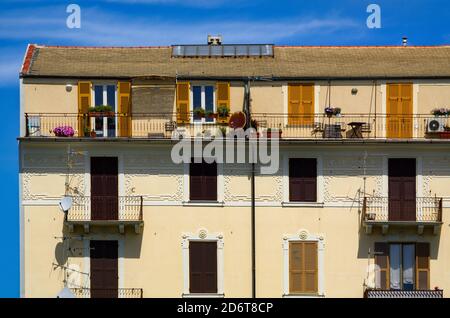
point(203, 101)
point(105, 84)
point(202, 236)
point(304, 236)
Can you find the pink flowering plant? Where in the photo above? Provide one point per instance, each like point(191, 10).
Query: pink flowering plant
point(63, 131)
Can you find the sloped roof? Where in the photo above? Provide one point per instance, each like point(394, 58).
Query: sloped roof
point(288, 62)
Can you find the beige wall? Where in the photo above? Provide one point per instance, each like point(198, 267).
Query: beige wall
point(153, 260)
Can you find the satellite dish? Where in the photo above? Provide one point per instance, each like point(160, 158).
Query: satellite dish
point(237, 120)
point(65, 203)
point(65, 293)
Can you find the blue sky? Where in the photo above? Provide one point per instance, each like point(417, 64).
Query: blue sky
point(165, 22)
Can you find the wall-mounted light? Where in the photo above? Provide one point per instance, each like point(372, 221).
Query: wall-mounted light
point(354, 91)
point(68, 88)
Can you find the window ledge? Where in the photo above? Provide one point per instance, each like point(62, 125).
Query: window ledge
point(303, 204)
point(204, 203)
point(207, 295)
point(303, 295)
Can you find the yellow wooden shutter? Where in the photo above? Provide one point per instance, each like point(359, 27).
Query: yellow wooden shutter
point(223, 98)
point(84, 102)
point(393, 111)
point(124, 109)
point(294, 98)
point(406, 111)
point(303, 267)
point(183, 115)
point(307, 106)
point(300, 104)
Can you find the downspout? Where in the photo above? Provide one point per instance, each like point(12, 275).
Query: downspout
point(247, 110)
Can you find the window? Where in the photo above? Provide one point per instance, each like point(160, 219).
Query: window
point(402, 266)
point(203, 181)
point(303, 267)
point(302, 179)
point(105, 95)
point(203, 97)
point(203, 267)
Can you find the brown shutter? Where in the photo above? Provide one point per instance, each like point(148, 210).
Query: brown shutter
point(382, 261)
point(223, 98)
point(303, 267)
point(183, 115)
point(423, 266)
point(104, 269)
point(124, 109)
point(203, 181)
point(104, 188)
point(303, 179)
point(84, 102)
point(203, 267)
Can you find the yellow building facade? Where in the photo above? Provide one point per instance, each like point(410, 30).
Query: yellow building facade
point(358, 205)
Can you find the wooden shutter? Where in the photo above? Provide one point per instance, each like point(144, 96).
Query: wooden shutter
point(183, 114)
point(382, 261)
point(302, 179)
point(104, 269)
point(124, 109)
point(303, 267)
point(406, 120)
point(399, 111)
point(223, 98)
point(300, 104)
point(423, 266)
point(104, 188)
point(84, 102)
point(203, 267)
point(203, 181)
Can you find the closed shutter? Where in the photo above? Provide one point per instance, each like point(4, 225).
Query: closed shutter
point(104, 188)
point(406, 120)
point(183, 115)
point(302, 180)
point(124, 110)
point(203, 181)
point(303, 267)
point(104, 269)
point(300, 104)
point(382, 261)
point(84, 102)
point(399, 110)
point(423, 266)
point(203, 267)
point(223, 99)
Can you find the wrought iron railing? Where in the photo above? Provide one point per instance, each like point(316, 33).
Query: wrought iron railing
point(168, 125)
point(108, 293)
point(376, 293)
point(107, 208)
point(376, 209)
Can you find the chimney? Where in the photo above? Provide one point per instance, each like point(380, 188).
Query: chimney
point(214, 39)
point(405, 41)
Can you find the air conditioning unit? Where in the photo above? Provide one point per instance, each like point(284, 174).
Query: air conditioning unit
point(436, 124)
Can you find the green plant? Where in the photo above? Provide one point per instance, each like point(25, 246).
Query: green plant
point(100, 109)
point(199, 112)
point(223, 111)
point(209, 113)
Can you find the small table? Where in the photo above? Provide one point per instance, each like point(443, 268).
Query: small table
point(356, 131)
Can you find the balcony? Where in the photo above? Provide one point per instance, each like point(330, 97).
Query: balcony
point(377, 211)
point(375, 293)
point(352, 127)
point(108, 293)
point(106, 211)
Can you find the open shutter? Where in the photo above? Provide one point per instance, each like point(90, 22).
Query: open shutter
point(84, 102)
point(423, 266)
point(382, 261)
point(223, 97)
point(124, 110)
point(183, 115)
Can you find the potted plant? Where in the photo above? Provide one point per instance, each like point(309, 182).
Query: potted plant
point(87, 132)
point(101, 110)
point(199, 112)
point(93, 133)
point(441, 112)
point(337, 111)
point(332, 111)
point(223, 111)
point(64, 131)
point(210, 114)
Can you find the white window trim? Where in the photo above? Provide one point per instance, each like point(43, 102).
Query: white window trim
point(320, 181)
point(305, 236)
point(203, 101)
point(105, 102)
point(220, 188)
point(203, 236)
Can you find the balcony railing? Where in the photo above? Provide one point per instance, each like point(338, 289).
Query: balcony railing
point(105, 211)
point(108, 293)
point(375, 293)
point(168, 125)
point(428, 209)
